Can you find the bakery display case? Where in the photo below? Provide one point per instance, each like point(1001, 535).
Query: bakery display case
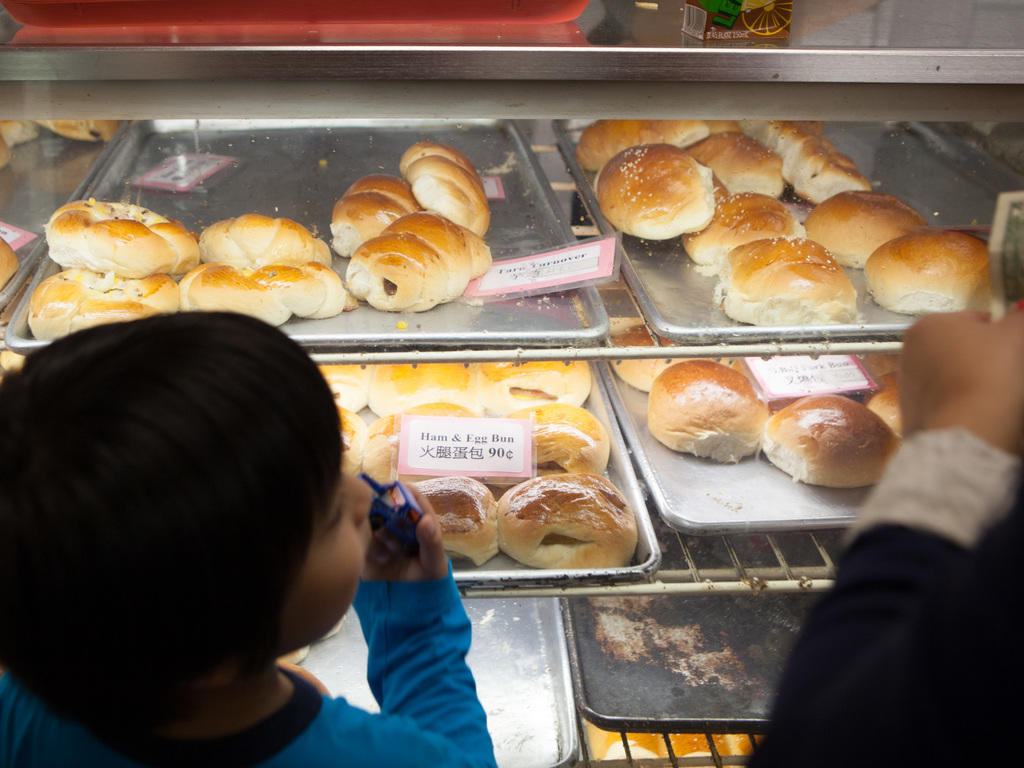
point(925, 98)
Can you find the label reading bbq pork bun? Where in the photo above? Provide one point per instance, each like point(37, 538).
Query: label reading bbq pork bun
point(183, 172)
point(795, 376)
point(442, 445)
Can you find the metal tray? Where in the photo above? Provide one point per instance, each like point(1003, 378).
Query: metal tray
point(298, 169)
point(706, 664)
point(945, 179)
point(520, 663)
point(698, 495)
point(42, 175)
point(501, 571)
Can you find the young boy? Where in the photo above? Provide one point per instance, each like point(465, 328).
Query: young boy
point(173, 519)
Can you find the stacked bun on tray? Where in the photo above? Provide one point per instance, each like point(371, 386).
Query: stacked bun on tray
point(670, 185)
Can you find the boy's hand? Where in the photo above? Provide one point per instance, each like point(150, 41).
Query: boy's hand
point(389, 558)
point(961, 370)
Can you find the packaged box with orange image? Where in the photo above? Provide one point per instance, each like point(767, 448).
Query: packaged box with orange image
point(737, 19)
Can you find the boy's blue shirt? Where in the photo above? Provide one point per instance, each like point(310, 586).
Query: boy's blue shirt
point(418, 635)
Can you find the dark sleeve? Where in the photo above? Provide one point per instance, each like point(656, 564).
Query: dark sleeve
point(418, 635)
point(910, 660)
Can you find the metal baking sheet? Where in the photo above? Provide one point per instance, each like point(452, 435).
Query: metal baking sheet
point(697, 495)
point(700, 664)
point(946, 180)
point(298, 169)
point(520, 663)
point(501, 571)
point(42, 175)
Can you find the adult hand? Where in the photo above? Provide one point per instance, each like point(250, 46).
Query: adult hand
point(961, 370)
point(390, 559)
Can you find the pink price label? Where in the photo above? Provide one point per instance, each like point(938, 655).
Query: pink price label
point(16, 236)
point(796, 375)
point(577, 263)
point(183, 172)
point(440, 445)
point(493, 188)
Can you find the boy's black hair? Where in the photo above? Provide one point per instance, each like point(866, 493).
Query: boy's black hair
point(159, 481)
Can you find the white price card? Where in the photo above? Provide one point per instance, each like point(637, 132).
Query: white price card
point(797, 376)
point(553, 270)
point(493, 188)
point(440, 445)
point(182, 172)
point(16, 236)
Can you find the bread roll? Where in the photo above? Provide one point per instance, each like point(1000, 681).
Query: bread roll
point(507, 387)
point(601, 141)
point(418, 262)
point(272, 293)
point(742, 163)
point(252, 241)
point(8, 262)
point(468, 515)
point(879, 364)
point(723, 126)
point(367, 208)
point(740, 219)
point(639, 372)
point(76, 299)
point(350, 384)
point(16, 132)
point(5, 153)
point(128, 240)
point(445, 182)
point(886, 402)
point(567, 438)
point(786, 282)
point(380, 457)
point(10, 361)
point(353, 441)
point(567, 521)
point(851, 225)
point(931, 271)
point(83, 130)
point(655, 191)
point(395, 388)
point(707, 409)
point(810, 162)
point(829, 440)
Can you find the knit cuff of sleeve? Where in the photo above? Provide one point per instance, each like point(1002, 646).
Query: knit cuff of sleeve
point(946, 482)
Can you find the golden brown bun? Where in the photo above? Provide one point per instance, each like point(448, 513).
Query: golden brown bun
point(742, 163)
point(507, 387)
point(740, 219)
point(367, 208)
point(83, 130)
point(655, 191)
point(707, 409)
point(638, 372)
point(879, 364)
point(395, 388)
point(444, 181)
point(886, 402)
point(931, 271)
point(601, 141)
point(568, 438)
point(829, 440)
point(16, 132)
point(350, 384)
point(723, 126)
point(851, 225)
point(567, 521)
point(253, 240)
point(5, 153)
point(76, 299)
point(381, 453)
point(126, 239)
point(468, 515)
point(271, 293)
point(353, 441)
point(8, 262)
point(810, 162)
point(786, 282)
point(418, 262)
